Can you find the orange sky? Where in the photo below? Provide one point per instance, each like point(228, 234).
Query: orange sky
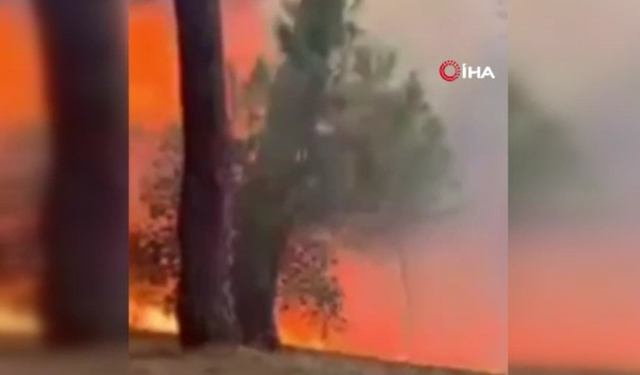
point(458, 321)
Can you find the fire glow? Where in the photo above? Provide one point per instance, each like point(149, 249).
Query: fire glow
point(447, 333)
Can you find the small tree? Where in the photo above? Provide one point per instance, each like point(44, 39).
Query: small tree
point(275, 196)
point(353, 142)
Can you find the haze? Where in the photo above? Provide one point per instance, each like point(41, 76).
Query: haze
point(579, 59)
point(572, 289)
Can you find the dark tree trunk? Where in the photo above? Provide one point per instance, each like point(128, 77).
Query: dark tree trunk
point(255, 273)
point(277, 174)
point(85, 223)
point(206, 312)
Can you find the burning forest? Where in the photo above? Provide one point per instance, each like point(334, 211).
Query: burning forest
point(317, 188)
point(248, 218)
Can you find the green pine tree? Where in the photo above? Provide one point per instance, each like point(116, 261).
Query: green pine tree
point(381, 148)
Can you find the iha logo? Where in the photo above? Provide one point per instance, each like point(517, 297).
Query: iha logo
point(451, 70)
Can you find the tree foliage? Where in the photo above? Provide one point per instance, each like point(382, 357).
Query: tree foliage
point(354, 142)
point(308, 283)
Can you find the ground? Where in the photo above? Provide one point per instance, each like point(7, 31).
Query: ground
point(154, 358)
point(157, 358)
point(154, 355)
point(161, 356)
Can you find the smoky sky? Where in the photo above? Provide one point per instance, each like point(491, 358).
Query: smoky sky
point(578, 59)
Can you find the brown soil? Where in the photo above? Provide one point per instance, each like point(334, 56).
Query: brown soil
point(162, 357)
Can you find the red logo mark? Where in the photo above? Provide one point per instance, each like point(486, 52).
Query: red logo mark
point(454, 75)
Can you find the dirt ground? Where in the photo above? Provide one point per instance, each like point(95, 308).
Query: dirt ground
point(149, 359)
point(152, 358)
point(162, 356)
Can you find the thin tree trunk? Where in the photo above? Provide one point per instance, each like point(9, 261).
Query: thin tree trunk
point(206, 312)
point(85, 222)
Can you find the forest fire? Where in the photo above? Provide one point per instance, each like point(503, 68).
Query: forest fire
point(150, 318)
point(300, 325)
point(14, 322)
point(154, 319)
point(372, 328)
point(146, 317)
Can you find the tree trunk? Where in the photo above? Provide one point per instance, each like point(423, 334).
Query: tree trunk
point(206, 312)
point(256, 280)
point(266, 221)
point(85, 222)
